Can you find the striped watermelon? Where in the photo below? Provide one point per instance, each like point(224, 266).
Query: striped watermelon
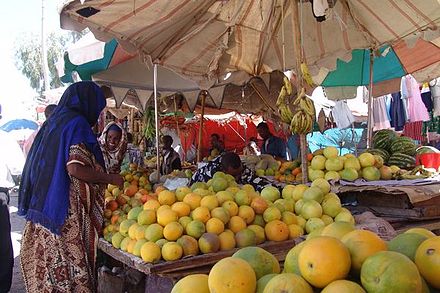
point(380, 152)
point(426, 150)
point(403, 145)
point(382, 139)
point(403, 161)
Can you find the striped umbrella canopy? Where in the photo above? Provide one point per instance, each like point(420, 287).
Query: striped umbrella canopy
point(390, 63)
point(204, 40)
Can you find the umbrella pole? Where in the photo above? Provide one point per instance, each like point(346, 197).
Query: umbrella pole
point(370, 103)
point(299, 84)
point(202, 117)
point(156, 118)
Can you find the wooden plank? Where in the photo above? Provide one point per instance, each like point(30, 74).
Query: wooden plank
point(179, 267)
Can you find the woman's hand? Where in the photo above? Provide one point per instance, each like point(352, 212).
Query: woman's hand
point(115, 179)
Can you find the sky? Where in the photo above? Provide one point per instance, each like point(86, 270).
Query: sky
point(20, 16)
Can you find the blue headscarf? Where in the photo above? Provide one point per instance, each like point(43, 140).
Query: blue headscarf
point(44, 191)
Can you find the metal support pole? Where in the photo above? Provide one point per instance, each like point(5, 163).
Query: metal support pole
point(370, 122)
point(156, 118)
point(200, 140)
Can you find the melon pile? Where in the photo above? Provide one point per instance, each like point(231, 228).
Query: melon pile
point(344, 261)
point(218, 215)
point(395, 151)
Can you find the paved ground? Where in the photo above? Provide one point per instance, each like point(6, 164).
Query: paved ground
point(17, 225)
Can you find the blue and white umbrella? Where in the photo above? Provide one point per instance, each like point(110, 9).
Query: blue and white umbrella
point(19, 124)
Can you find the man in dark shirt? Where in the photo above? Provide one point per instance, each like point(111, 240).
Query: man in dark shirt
point(170, 158)
point(231, 164)
point(272, 145)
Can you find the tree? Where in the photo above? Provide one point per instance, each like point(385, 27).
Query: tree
point(28, 57)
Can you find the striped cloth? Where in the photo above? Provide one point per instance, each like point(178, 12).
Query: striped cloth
point(414, 131)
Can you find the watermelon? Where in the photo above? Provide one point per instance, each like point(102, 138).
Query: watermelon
point(403, 161)
point(426, 150)
point(403, 145)
point(382, 139)
point(380, 152)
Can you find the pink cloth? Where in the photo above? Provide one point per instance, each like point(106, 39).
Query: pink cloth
point(416, 108)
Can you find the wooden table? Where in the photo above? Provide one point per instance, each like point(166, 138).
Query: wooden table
point(162, 275)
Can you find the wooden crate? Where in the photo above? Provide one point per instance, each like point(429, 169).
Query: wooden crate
point(188, 265)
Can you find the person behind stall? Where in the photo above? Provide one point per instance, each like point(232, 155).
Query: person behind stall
point(170, 158)
point(252, 148)
point(272, 144)
point(293, 147)
point(28, 143)
point(11, 165)
point(62, 196)
point(230, 163)
point(217, 146)
point(113, 142)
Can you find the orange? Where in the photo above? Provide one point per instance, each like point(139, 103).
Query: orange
point(151, 204)
point(193, 200)
point(232, 275)
point(362, 244)
point(182, 209)
point(428, 260)
point(171, 251)
point(166, 216)
point(231, 207)
point(201, 213)
point(172, 231)
point(236, 224)
point(166, 197)
point(227, 240)
point(131, 190)
point(246, 213)
point(150, 252)
point(276, 231)
point(323, 260)
point(209, 201)
point(259, 205)
point(215, 226)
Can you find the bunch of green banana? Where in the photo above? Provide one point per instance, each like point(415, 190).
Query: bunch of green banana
point(302, 123)
point(149, 130)
point(282, 101)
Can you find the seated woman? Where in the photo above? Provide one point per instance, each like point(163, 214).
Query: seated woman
point(170, 158)
point(113, 142)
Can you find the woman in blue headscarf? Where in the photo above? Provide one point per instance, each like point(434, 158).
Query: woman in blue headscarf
point(62, 196)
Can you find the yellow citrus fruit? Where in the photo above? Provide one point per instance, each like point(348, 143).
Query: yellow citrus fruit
point(201, 213)
point(154, 232)
point(259, 233)
point(289, 218)
point(197, 283)
point(193, 200)
point(246, 213)
point(428, 260)
point(221, 214)
point(182, 209)
point(172, 251)
point(362, 244)
point(151, 204)
point(276, 231)
point(166, 197)
point(232, 275)
point(172, 231)
point(150, 252)
point(209, 201)
point(295, 231)
point(231, 207)
point(323, 260)
point(236, 224)
point(215, 226)
point(227, 240)
point(166, 216)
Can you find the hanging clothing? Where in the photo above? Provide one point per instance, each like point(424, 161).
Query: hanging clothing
point(319, 8)
point(397, 112)
point(342, 115)
point(388, 106)
point(416, 109)
point(66, 263)
point(434, 86)
point(380, 116)
point(113, 158)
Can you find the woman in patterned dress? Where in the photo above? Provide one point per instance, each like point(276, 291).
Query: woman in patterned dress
point(62, 197)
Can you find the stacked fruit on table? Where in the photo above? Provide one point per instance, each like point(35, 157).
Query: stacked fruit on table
point(345, 260)
point(220, 215)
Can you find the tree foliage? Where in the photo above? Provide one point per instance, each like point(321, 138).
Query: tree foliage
point(28, 56)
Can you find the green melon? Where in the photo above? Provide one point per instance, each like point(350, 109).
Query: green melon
point(406, 243)
point(403, 161)
point(382, 139)
point(403, 145)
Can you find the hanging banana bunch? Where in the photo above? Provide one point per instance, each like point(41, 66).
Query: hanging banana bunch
point(302, 121)
point(283, 103)
point(149, 123)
